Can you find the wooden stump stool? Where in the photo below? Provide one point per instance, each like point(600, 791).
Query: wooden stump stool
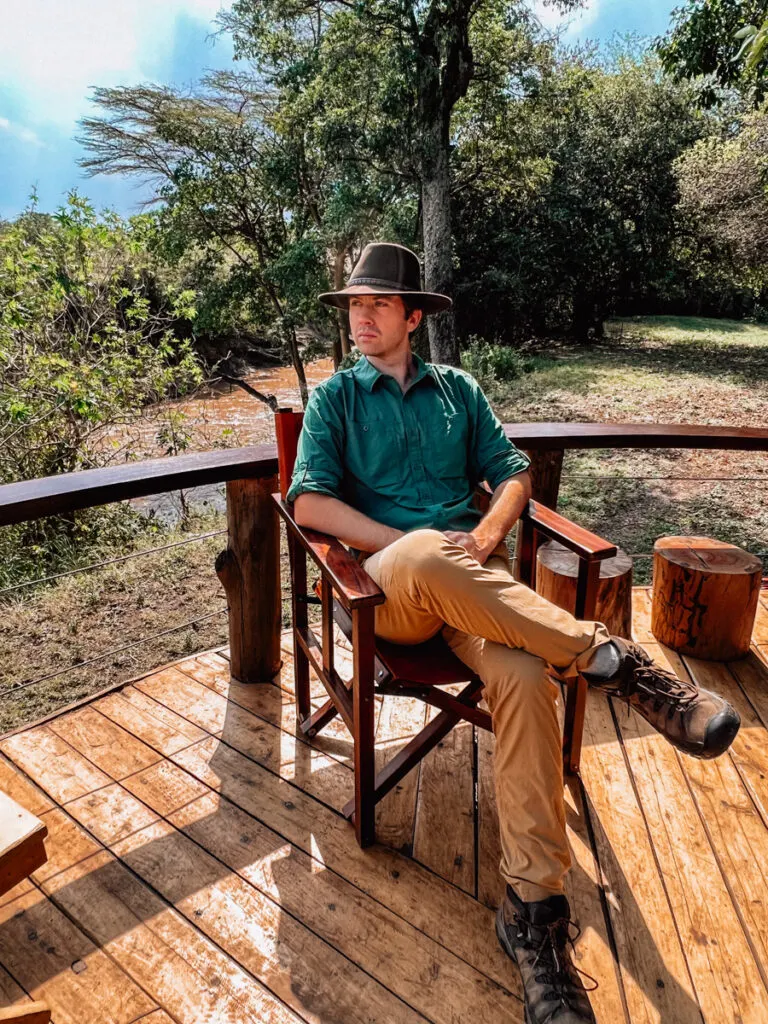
point(556, 571)
point(704, 597)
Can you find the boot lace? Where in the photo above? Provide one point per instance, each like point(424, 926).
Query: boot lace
point(552, 952)
point(678, 694)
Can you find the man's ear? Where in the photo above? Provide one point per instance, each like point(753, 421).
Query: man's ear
point(418, 317)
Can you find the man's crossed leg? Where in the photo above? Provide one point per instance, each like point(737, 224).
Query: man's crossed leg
point(515, 640)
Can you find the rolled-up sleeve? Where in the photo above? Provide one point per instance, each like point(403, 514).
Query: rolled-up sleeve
point(319, 465)
point(492, 456)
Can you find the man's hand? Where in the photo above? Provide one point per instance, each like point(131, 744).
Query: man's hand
point(471, 543)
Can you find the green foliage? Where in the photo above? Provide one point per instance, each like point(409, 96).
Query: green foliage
point(708, 42)
point(493, 364)
point(724, 192)
point(86, 341)
point(590, 221)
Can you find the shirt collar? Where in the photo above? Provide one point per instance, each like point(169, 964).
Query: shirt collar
point(368, 375)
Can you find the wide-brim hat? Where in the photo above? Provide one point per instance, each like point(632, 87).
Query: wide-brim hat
point(385, 268)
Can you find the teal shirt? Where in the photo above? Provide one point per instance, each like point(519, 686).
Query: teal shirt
point(410, 461)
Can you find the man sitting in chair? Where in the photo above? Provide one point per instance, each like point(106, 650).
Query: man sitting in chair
point(388, 458)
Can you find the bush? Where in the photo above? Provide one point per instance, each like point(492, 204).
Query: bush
point(490, 364)
point(87, 341)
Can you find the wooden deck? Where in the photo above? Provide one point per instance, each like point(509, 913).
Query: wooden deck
point(200, 871)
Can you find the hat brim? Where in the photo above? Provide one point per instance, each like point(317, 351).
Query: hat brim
point(428, 302)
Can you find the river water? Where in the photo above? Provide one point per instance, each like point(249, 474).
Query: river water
point(214, 417)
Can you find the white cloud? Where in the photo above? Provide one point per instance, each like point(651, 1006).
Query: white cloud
point(575, 23)
point(51, 53)
point(20, 132)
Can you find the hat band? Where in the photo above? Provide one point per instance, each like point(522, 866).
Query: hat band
point(380, 281)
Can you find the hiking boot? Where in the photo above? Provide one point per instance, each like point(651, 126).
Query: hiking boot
point(535, 936)
point(695, 721)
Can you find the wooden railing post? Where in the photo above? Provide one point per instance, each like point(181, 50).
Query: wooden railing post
point(545, 469)
point(249, 569)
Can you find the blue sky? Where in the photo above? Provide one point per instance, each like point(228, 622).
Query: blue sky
point(52, 53)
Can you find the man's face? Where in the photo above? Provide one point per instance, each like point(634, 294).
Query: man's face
point(378, 323)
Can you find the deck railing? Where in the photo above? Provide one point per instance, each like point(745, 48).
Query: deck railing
point(251, 563)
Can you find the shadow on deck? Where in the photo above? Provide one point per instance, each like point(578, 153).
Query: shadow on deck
point(200, 869)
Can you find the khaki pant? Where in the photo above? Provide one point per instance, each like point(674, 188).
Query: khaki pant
point(512, 638)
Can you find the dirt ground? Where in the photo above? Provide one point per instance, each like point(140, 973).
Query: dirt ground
point(663, 370)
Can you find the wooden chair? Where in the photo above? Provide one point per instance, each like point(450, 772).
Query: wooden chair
point(348, 596)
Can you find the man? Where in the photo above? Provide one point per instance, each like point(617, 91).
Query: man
point(389, 454)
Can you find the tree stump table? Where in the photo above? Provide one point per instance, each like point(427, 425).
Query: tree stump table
point(556, 572)
point(704, 597)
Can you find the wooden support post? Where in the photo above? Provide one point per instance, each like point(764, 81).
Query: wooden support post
point(249, 569)
point(545, 469)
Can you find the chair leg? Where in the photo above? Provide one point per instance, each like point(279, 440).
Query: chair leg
point(297, 557)
point(363, 712)
point(575, 710)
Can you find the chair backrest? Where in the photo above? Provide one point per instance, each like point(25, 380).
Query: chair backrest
point(287, 429)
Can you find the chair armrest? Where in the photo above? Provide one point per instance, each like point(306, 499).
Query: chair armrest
point(586, 545)
point(352, 583)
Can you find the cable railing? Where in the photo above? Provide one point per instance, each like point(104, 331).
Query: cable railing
point(254, 540)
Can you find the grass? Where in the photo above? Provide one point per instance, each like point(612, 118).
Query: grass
point(658, 369)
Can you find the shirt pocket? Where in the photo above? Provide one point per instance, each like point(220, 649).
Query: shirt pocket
point(374, 452)
point(445, 446)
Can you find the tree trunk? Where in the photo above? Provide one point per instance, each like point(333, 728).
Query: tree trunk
point(342, 347)
point(436, 219)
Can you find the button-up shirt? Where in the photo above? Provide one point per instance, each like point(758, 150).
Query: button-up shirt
point(410, 460)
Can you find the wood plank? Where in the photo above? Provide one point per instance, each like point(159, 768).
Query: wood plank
point(404, 886)
point(164, 736)
point(271, 703)
point(67, 845)
point(585, 887)
point(111, 813)
point(760, 629)
point(165, 787)
point(444, 833)
point(312, 769)
point(752, 675)
point(60, 771)
point(400, 719)
point(724, 972)
point(10, 992)
point(426, 975)
point(641, 615)
point(180, 970)
point(20, 789)
point(156, 1017)
point(654, 971)
point(54, 961)
point(417, 969)
point(592, 951)
point(301, 969)
point(749, 750)
point(106, 745)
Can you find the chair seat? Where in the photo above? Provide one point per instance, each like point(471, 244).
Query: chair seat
point(430, 663)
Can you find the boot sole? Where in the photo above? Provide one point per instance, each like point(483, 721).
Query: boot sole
point(501, 935)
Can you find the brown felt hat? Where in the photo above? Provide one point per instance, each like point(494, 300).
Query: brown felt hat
point(385, 268)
